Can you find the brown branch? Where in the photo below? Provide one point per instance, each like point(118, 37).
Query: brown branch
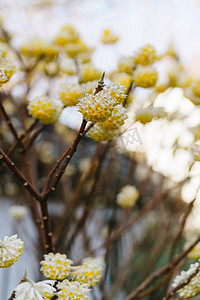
point(46, 226)
point(154, 288)
point(161, 271)
point(20, 176)
point(179, 234)
point(34, 136)
point(53, 170)
point(11, 127)
point(21, 137)
point(67, 159)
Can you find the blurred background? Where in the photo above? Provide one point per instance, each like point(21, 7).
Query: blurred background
point(163, 158)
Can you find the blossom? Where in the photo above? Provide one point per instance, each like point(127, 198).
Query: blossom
point(18, 212)
point(145, 55)
point(193, 287)
point(147, 114)
point(126, 64)
point(55, 266)
point(89, 272)
point(99, 134)
point(145, 76)
point(88, 73)
point(29, 290)
point(127, 196)
point(72, 49)
point(98, 108)
point(38, 48)
point(67, 34)
point(109, 37)
point(123, 79)
point(95, 108)
point(116, 92)
point(45, 109)
point(68, 66)
point(7, 68)
point(72, 290)
point(70, 93)
point(116, 119)
point(10, 250)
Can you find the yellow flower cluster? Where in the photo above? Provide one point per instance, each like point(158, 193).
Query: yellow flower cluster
point(108, 37)
point(66, 35)
point(88, 72)
point(69, 290)
point(58, 267)
point(123, 79)
point(45, 109)
point(39, 48)
point(55, 266)
point(72, 49)
point(10, 251)
point(99, 134)
point(99, 107)
point(70, 93)
point(95, 108)
point(145, 55)
point(145, 76)
point(127, 196)
point(116, 119)
point(146, 115)
point(89, 272)
point(7, 68)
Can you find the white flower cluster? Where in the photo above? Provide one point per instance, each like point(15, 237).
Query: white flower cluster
point(193, 287)
point(29, 290)
point(18, 212)
point(70, 93)
point(127, 196)
point(10, 250)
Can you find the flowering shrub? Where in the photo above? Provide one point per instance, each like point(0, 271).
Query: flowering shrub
point(92, 190)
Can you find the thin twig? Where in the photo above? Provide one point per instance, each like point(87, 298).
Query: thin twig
point(20, 176)
point(67, 159)
point(179, 234)
point(11, 127)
